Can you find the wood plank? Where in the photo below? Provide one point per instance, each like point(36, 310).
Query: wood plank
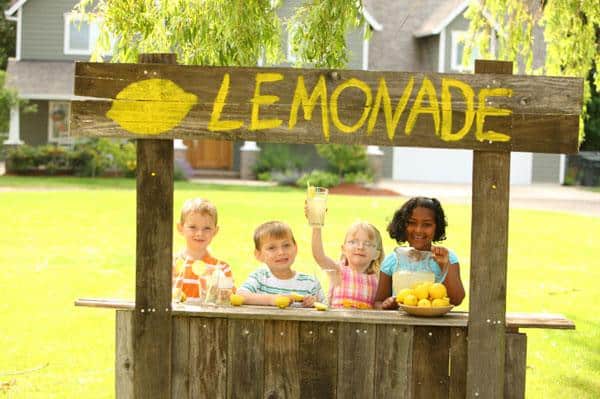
point(245, 359)
point(180, 360)
point(124, 355)
point(430, 362)
point(318, 360)
point(489, 250)
point(282, 360)
point(542, 112)
point(393, 361)
point(208, 358)
point(458, 363)
point(356, 360)
point(154, 236)
point(516, 366)
point(453, 319)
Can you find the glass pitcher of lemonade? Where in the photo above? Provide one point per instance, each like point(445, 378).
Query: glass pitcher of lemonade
point(414, 267)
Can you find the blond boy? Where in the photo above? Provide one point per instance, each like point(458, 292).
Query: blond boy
point(194, 269)
point(275, 246)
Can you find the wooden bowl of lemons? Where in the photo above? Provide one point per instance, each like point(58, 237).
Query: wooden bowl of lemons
point(424, 299)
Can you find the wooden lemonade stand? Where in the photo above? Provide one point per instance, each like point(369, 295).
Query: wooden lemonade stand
point(167, 351)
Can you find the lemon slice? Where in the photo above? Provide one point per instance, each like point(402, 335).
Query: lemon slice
point(311, 192)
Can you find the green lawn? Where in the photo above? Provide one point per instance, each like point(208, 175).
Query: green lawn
point(67, 238)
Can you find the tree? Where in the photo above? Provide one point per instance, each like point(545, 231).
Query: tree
point(571, 32)
point(221, 32)
point(7, 37)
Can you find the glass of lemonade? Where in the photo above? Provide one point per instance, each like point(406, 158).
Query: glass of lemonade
point(316, 202)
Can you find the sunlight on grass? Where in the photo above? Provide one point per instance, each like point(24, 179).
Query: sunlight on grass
point(79, 241)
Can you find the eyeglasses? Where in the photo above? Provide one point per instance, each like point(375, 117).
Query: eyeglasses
point(357, 244)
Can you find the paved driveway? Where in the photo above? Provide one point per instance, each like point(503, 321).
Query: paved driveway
point(536, 196)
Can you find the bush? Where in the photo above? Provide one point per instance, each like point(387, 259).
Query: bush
point(343, 159)
point(358, 178)
point(279, 158)
point(318, 178)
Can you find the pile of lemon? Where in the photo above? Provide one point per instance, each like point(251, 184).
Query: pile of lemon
point(424, 294)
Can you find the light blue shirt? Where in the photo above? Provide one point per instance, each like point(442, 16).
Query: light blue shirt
point(393, 262)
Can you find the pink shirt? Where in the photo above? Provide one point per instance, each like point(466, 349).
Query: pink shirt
point(355, 290)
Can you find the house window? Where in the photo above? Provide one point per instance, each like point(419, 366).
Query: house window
point(457, 54)
point(80, 36)
point(58, 122)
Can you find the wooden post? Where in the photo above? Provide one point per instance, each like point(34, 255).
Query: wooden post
point(489, 249)
point(154, 246)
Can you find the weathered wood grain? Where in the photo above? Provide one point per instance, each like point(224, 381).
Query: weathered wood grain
point(458, 363)
point(516, 366)
point(208, 358)
point(282, 360)
point(124, 355)
point(430, 362)
point(245, 359)
point(318, 360)
point(356, 360)
point(393, 361)
point(154, 236)
point(180, 360)
point(544, 110)
point(489, 250)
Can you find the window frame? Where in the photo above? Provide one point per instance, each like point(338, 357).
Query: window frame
point(67, 139)
point(456, 38)
point(94, 32)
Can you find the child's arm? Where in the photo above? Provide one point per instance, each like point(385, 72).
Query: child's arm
point(453, 283)
point(383, 297)
point(325, 262)
point(257, 299)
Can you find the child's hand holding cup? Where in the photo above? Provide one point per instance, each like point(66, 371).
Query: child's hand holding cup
point(316, 205)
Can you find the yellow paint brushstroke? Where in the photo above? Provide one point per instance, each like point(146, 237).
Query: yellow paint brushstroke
point(333, 105)
point(428, 89)
point(484, 111)
point(469, 95)
point(383, 97)
point(308, 103)
point(151, 106)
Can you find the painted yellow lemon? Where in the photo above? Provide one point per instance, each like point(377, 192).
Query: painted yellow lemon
point(151, 106)
point(437, 291)
point(320, 306)
point(236, 299)
point(282, 302)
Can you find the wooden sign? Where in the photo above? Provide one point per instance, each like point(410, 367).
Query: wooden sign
point(490, 112)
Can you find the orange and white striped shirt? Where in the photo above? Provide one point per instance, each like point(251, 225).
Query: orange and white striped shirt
point(195, 276)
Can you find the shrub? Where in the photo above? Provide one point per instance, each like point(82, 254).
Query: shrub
point(279, 157)
point(358, 178)
point(343, 159)
point(319, 178)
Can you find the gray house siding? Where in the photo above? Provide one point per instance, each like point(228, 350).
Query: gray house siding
point(546, 168)
point(429, 53)
point(43, 30)
point(34, 125)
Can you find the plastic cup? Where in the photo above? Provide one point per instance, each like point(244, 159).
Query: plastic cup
point(316, 203)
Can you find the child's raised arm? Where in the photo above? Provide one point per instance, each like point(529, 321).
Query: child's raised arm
point(325, 262)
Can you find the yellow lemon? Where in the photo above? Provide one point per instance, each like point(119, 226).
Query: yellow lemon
point(310, 192)
point(402, 294)
point(410, 300)
point(151, 106)
point(424, 303)
point(421, 292)
point(347, 303)
point(297, 297)
point(320, 306)
point(446, 301)
point(183, 297)
point(437, 291)
point(282, 302)
point(439, 303)
point(236, 299)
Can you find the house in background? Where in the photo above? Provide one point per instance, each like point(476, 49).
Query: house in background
point(425, 36)
point(411, 36)
point(49, 41)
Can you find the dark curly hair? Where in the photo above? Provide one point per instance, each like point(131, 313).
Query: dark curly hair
point(397, 227)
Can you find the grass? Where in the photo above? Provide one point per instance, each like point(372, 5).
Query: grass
point(67, 238)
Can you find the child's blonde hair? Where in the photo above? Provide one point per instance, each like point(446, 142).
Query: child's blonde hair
point(272, 229)
point(198, 205)
point(375, 236)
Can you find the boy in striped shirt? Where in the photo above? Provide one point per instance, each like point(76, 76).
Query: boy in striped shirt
point(275, 246)
point(196, 273)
